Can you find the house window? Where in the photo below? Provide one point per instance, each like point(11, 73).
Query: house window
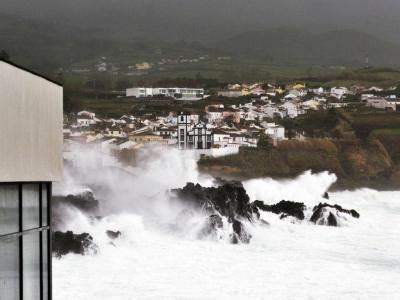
point(24, 241)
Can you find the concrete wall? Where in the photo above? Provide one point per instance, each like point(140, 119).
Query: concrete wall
point(31, 120)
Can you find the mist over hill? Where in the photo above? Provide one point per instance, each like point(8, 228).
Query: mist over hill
point(316, 32)
point(210, 20)
point(292, 46)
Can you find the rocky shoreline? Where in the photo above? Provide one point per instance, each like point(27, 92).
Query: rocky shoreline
point(225, 206)
point(357, 164)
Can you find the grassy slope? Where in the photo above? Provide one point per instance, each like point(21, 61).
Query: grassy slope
point(373, 162)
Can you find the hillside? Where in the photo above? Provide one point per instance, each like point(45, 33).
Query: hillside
point(47, 45)
point(364, 153)
point(299, 47)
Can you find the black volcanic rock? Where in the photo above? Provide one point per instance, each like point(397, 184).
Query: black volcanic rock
point(286, 208)
point(113, 234)
point(332, 220)
point(229, 199)
point(211, 225)
point(84, 201)
point(239, 233)
point(327, 214)
point(68, 242)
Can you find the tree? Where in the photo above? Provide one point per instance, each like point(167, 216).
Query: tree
point(264, 141)
point(290, 127)
point(4, 55)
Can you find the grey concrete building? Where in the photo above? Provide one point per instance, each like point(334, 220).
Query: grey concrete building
point(30, 160)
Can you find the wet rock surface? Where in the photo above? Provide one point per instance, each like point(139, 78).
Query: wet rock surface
point(113, 234)
point(229, 200)
point(330, 215)
point(83, 201)
point(211, 226)
point(239, 233)
point(68, 242)
point(286, 208)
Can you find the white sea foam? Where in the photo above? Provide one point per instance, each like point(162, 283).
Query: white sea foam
point(282, 261)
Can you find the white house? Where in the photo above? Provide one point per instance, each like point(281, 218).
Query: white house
point(273, 130)
point(85, 118)
point(291, 109)
point(215, 115)
point(84, 121)
point(339, 92)
point(272, 111)
point(311, 104)
point(221, 138)
point(364, 97)
point(318, 91)
point(377, 102)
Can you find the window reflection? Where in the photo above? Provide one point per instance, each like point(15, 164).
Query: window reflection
point(31, 266)
point(24, 246)
point(44, 205)
point(45, 265)
point(9, 268)
point(9, 202)
point(30, 206)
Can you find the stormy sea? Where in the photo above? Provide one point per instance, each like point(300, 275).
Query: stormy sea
point(158, 229)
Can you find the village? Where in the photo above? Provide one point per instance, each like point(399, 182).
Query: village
point(220, 127)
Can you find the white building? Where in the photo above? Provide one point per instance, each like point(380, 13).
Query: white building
point(193, 136)
point(292, 110)
point(215, 115)
point(273, 130)
point(85, 118)
point(318, 91)
point(339, 92)
point(176, 93)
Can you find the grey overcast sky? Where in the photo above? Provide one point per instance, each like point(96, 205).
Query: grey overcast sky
point(210, 20)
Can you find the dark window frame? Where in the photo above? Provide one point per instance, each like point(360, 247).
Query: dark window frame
point(38, 230)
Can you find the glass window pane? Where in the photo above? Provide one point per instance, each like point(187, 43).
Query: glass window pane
point(31, 266)
point(44, 205)
point(45, 265)
point(9, 268)
point(30, 206)
point(9, 209)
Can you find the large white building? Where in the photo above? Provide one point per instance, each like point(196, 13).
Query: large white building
point(176, 93)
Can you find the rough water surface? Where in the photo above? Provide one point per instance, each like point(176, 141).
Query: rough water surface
point(287, 259)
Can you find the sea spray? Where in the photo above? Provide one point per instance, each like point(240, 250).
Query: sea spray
point(153, 259)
